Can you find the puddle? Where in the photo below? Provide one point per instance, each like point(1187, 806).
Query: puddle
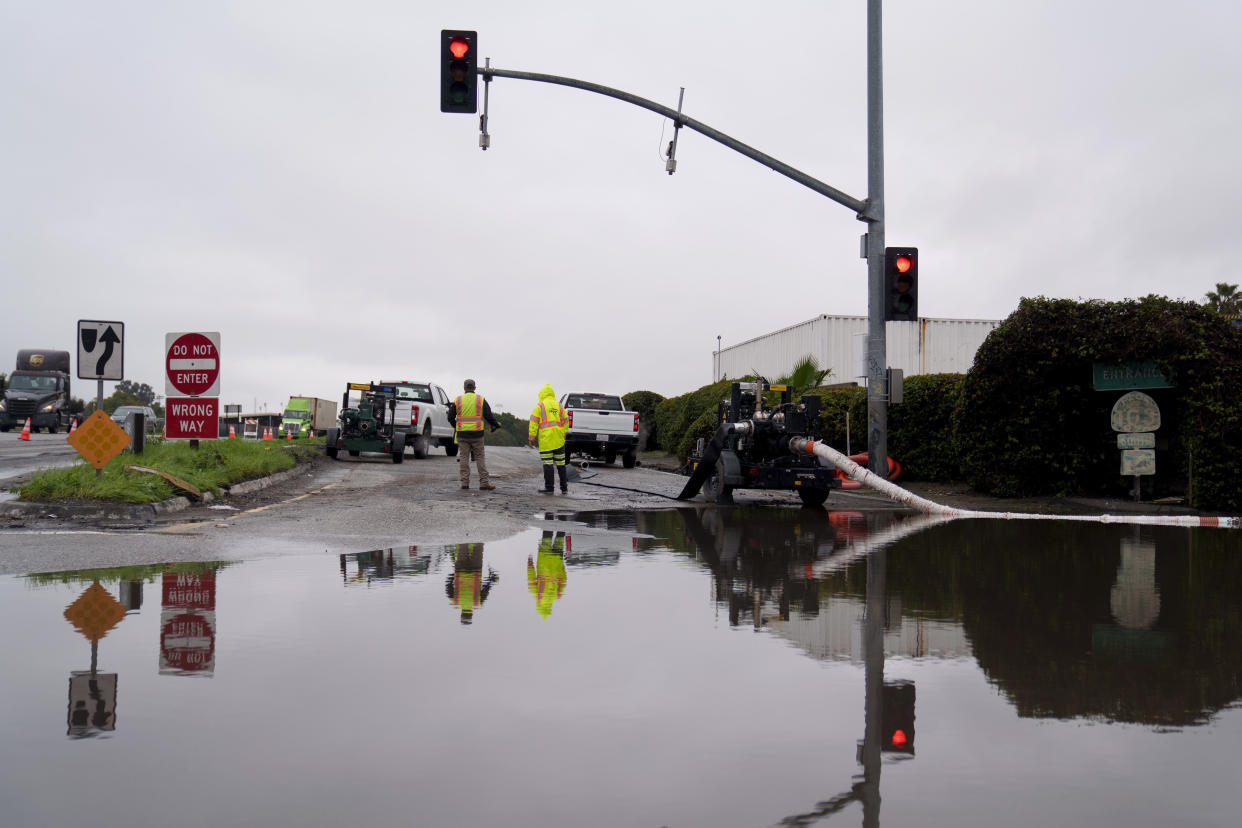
point(680, 667)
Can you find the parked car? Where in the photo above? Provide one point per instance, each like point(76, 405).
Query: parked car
point(123, 413)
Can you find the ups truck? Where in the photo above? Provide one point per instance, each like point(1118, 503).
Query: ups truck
point(39, 390)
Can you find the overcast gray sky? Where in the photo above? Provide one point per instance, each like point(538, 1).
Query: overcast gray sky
point(280, 172)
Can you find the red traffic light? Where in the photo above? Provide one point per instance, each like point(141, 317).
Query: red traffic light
point(904, 263)
point(458, 70)
point(899, 739)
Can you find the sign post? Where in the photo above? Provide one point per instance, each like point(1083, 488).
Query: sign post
point(1135, 417)
point(192, 386)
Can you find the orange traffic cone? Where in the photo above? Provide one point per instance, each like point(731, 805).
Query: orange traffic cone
point(232, 432)
point(288, 436)
point(25, 435)
point(74, 426)
point(267, 433)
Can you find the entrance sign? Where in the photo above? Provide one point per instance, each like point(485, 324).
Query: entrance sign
point(1126, 375)
point(191, 418)
point(101, 350)
point(192, 364)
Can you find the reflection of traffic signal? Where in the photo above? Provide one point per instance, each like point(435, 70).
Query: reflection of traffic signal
point(901, 283)
point(459, 90)
point(898, 717)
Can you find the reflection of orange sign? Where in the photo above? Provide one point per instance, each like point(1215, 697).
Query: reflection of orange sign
point(95, 612)
point(99, 439)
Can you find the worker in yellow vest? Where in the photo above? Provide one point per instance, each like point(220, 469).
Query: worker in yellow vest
point(548, 424)
point(545, 574)
point(466, 587)
point(468, 415)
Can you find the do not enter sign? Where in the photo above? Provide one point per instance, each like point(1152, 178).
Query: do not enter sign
point(192, 363)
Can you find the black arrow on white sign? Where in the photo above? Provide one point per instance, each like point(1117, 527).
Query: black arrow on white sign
point(109, 339)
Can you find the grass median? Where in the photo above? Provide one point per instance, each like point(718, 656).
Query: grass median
point(213, 464)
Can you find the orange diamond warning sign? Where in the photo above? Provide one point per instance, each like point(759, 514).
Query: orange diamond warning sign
point(99, 439)
point(95, 612)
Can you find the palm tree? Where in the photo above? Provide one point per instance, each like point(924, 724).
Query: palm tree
point(806, 375)
point(1224, 299)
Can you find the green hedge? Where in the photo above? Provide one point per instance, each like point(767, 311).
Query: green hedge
point(1029, 422)
point(645, 402)
point(920, 429)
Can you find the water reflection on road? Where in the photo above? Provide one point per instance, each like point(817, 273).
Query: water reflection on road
point(745, 666)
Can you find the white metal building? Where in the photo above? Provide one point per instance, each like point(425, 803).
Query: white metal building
point(838, 343)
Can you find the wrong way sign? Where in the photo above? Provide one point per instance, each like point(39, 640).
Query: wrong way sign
point(192, 364)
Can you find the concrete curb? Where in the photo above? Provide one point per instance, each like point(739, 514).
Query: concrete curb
point(115, 510)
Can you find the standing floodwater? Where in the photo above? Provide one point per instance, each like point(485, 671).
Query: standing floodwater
point(713, 667)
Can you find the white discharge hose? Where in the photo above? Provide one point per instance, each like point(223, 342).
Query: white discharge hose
point(894, 492)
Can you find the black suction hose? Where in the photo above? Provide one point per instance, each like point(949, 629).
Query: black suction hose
point(707, 463)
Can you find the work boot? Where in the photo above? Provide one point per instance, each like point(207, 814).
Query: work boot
point(547, 480)
point(564, 475)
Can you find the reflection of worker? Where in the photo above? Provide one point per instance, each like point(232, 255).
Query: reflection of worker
point(466, 587)
point(545, 575)
point(467, 414)
point(548, 426)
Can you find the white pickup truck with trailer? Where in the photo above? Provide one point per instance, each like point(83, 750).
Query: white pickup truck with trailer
point(422, 413)
point(601, 427)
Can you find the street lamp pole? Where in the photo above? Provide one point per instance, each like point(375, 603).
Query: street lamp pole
point(717, 377)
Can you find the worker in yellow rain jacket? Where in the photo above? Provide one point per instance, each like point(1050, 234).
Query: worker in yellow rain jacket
point(548, 424)
point(545, 574)
point(466, 587)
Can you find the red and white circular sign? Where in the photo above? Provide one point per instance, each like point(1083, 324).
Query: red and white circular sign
point(192, 363)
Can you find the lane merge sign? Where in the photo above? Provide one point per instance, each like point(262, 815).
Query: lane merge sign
point(101, 350)
point(192, 363)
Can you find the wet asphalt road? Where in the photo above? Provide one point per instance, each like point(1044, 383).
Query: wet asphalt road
point(348, 505)
point(19, 457)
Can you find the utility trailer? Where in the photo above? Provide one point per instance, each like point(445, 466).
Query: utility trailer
point(366, 423)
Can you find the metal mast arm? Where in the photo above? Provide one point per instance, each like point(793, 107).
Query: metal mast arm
point(858, 206)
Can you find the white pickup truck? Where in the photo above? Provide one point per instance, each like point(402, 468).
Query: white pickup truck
point(422, 413)
point(601, 427)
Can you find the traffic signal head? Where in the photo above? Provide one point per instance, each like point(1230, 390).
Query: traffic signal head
point(459, 78)
point(901, 283)
point(897, 717)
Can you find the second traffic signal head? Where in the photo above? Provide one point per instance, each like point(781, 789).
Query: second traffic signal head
point(901, 284)
point(897, 717)
point(459, 78)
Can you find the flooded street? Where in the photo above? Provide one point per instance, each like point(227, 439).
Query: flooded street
point(753, 666)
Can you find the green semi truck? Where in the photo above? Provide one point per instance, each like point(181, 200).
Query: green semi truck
point(307, 417)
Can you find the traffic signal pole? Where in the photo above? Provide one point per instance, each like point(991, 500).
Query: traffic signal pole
point(870, 211)
point(877, 346)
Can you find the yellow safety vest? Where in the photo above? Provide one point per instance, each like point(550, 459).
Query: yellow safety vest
point(472, 419)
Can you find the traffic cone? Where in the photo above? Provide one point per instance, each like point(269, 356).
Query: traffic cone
point(74, 425)
point(25, 435)
point(267, 433)
point(232, 432)
point(288, 436)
